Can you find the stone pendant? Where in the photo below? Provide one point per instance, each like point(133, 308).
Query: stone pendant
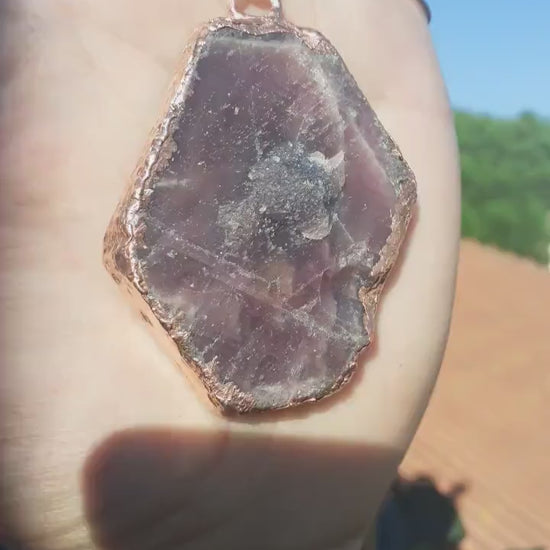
point(264, 217)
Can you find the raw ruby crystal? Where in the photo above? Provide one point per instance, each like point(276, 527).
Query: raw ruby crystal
point(265, 216)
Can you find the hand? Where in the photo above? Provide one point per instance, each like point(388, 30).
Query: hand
point(103, 443)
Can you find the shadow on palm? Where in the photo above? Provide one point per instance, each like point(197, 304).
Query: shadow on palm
point(176, 489)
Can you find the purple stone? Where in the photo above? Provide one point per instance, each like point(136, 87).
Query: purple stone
point(265, 217)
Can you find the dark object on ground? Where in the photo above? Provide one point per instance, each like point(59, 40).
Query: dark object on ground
point(416, 515)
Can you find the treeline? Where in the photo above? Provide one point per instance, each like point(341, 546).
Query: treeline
point(506, 182)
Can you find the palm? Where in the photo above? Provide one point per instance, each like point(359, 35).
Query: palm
point(101, 437)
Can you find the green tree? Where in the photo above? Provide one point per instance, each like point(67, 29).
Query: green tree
point(506, 182)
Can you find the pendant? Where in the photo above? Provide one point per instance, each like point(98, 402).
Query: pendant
point(264, 217)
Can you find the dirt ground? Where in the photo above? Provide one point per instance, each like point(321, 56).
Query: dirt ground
point(488, 424)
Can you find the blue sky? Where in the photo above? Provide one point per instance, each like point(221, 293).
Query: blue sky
point(495, 54)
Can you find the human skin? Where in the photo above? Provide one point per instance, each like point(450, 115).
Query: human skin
point(103, 443)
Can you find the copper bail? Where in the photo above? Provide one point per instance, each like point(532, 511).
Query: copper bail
point(276, 10)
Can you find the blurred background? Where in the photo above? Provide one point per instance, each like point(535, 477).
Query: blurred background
point(477, 476)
